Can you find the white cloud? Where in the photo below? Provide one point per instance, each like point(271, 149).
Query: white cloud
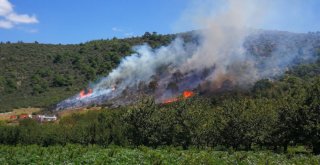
point(115, 29)
point(22, 18)
point(6, 24)
point(5, 7)
point(10, 18)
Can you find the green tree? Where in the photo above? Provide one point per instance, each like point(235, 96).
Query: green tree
point(312, 128)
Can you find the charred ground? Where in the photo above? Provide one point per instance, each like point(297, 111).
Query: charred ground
point(270, 114)
point(40, 75)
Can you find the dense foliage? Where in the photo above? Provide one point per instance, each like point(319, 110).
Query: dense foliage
point(76, 154)
point(38, 75)
point(271, 115)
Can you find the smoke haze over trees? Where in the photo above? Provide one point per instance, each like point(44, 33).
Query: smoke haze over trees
point(252, 89)
point(216, 55)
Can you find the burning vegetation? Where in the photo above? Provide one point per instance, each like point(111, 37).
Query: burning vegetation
point(85, 93)
point(185, 95)
point(266, 112)
point(170, 71)
point(223, 55)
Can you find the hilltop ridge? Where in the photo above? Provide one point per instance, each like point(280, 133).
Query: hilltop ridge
point(40, 75)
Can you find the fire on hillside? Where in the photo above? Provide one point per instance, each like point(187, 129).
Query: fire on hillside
point(223, 54)
point(186, 94)
point(85, 93)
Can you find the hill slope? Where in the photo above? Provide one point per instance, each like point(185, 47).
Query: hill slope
point(38, 75)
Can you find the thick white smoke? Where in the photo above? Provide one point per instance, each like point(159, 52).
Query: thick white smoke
point(141, 66)
point(220, 50)
point(221, 47)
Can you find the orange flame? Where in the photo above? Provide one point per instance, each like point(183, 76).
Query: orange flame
point(185, 94)
point(171, 100)
point(84, 93)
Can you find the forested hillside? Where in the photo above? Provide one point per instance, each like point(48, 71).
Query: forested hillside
point(271, 114)
point(38, 75)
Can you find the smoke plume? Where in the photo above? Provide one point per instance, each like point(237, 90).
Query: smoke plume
point(227, 51)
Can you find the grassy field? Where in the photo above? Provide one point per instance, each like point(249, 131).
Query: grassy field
point(69, 112)
point(6, 116)
point(76, 154)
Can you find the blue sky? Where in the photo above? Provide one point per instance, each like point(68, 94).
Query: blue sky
point(75, 21)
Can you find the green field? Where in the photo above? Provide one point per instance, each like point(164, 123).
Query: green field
point(77, 154)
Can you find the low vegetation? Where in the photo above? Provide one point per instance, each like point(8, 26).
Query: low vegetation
point(76, 154)
point(273, 122)
point(272, 115)
point(39, 75)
